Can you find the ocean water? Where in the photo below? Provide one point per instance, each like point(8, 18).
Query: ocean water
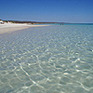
point(52, 59)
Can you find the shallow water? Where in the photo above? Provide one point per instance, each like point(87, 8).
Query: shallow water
point(52, 59)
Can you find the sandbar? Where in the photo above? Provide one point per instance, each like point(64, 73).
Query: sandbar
point(10, 27)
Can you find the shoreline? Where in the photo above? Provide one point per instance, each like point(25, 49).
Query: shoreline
point(9, 27)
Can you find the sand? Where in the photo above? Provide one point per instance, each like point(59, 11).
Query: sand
point(10, 27)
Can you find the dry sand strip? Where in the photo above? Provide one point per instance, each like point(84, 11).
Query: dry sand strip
point(9, 27)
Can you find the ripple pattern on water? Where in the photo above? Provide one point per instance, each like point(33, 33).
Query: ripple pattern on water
point(55, 59)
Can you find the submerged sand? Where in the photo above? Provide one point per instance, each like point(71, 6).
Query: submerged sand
point(9, 27)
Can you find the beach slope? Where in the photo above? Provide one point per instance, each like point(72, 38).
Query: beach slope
point(9, 27)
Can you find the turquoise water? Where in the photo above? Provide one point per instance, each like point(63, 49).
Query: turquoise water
point(52, 59)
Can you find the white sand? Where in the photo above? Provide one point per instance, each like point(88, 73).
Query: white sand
point(9, 27)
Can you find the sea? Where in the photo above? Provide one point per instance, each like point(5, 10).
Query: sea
point(49, 59)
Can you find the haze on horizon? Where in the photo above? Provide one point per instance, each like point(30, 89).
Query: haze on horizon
point(75, 11)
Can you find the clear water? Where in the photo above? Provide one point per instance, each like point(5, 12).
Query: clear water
point(52, 59)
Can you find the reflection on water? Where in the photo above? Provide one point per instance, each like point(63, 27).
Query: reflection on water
point(54, 59)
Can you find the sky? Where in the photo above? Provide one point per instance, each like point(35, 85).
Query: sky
point(75, 11)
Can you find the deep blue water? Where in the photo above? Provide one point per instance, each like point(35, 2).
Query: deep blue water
point(52, 59)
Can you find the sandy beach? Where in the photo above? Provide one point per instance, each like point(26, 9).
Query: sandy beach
point(9, 27)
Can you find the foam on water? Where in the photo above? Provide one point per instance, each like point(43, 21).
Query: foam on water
point(54, 59)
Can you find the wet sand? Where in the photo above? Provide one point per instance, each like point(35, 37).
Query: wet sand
point(9, 27)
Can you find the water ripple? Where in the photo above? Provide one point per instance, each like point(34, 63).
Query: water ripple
point(55, 59)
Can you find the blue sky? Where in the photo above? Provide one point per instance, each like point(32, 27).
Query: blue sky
point(47, 10)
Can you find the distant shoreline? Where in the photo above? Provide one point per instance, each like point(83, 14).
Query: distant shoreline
point(10, 27)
